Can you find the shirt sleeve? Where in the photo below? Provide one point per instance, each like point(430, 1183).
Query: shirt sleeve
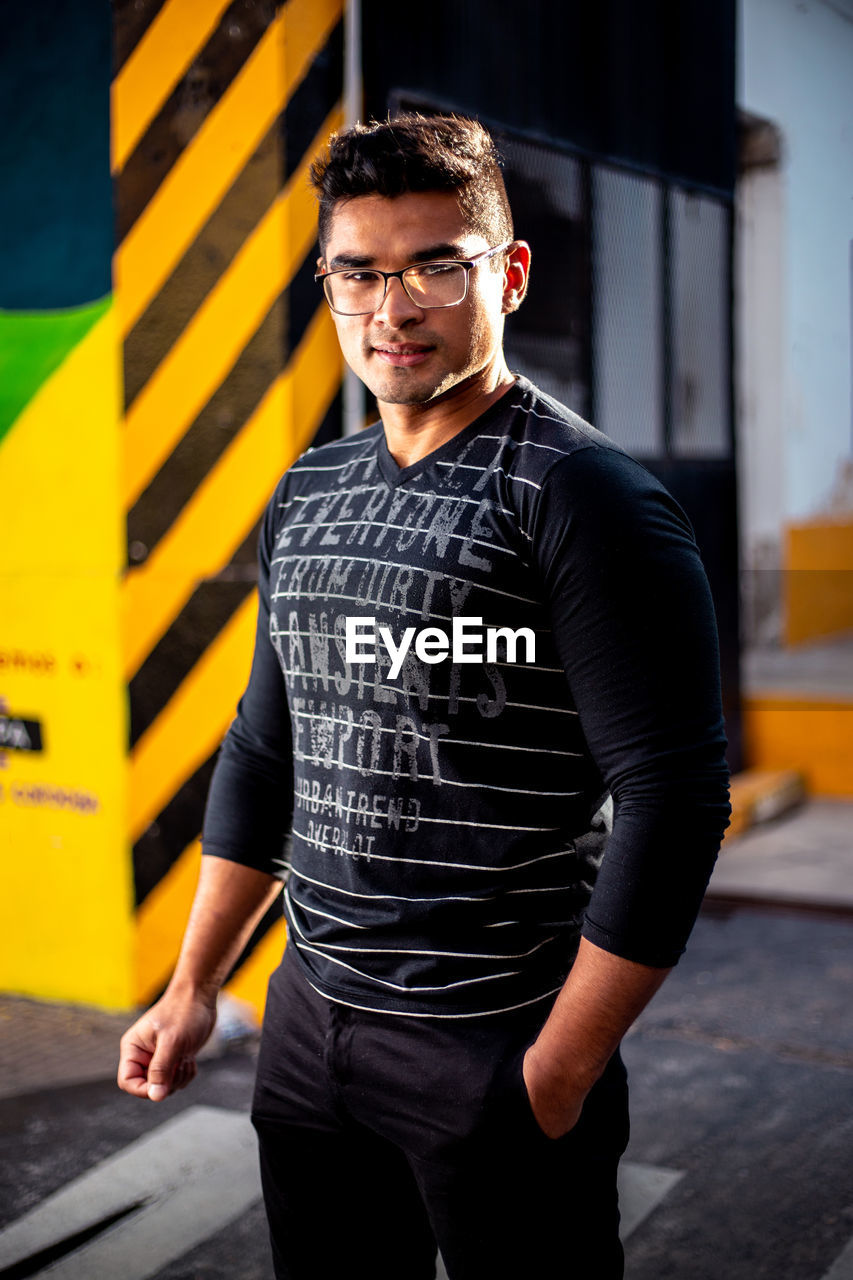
point(636, 633)
point(250, 802)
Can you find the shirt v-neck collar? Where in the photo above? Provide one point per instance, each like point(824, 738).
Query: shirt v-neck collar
point(394, 475)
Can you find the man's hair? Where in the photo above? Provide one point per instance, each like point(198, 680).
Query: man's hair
point(411, 152)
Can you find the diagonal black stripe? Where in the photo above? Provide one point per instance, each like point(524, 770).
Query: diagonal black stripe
point(280, 152)
point(204, 615)
point(221, 238)
point(188, 106)
point(230, 407)
point(202, 618)
point(330, 427)
point(265, 354)
point(176, 826)
point(242, 208)
point(313, 100)
point(305, 297)
point(222, 418)
point(131, 19)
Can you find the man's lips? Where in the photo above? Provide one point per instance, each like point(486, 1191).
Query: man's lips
point(402, 354)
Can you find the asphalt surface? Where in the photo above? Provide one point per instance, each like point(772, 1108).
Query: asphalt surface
point(742, 1073)
point(742, 1084)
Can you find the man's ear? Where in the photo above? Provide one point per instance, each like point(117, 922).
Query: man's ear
point(516, 275)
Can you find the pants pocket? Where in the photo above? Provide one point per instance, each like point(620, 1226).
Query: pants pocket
point(508, 1109)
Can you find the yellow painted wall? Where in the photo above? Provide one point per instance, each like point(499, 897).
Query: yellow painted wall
point(818, 580)
point(65, 878)
point(812, 735)
point(77, 627)
point(272, 398)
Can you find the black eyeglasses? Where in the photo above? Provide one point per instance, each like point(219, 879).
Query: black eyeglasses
point(357, 291)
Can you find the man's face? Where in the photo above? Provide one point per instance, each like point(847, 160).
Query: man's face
point(405, 354)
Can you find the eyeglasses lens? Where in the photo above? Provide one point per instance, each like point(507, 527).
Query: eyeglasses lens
point(432, 285)
point(437, 284)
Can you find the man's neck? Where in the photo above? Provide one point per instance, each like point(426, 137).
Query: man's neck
point(414, 430)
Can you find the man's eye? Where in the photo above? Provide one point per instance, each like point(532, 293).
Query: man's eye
point(359, 277)
point(437, 268)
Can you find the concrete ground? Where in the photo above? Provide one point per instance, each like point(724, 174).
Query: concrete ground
point(742, 1101)
point(803, 860)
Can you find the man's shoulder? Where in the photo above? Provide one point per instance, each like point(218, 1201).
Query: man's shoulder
point(562, 457)
point(546, 432)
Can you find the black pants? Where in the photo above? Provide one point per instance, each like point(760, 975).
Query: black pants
point(381, 1135)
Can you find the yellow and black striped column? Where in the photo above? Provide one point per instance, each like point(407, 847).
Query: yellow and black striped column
point(231, 368)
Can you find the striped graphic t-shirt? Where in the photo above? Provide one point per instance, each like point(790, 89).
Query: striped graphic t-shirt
point(439, 813)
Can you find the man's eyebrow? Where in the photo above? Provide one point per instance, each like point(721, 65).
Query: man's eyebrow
point(439, 251)
point(349, 260)
point(433, 253)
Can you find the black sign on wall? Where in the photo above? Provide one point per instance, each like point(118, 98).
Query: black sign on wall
point(18, 734)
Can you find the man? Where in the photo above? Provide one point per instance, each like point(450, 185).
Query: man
point(480, 623)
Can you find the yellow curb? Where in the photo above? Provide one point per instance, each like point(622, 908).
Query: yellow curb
point(810, 734)
point(761, 794)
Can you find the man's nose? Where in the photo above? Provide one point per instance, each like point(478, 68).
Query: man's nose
point(397, 307)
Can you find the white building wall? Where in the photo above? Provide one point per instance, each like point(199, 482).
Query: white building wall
point(793, 281)
point(761, 360)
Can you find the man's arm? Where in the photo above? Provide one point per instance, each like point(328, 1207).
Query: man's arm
point(635, 629)
point(158, 1052)
point(601, 998)
point(246, 818)
point(634, 625)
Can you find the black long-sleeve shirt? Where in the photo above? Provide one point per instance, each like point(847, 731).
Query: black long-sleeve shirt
point(441, 828)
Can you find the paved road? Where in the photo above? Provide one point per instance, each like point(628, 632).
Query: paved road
point(743, 1079)
point(740, 1165)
